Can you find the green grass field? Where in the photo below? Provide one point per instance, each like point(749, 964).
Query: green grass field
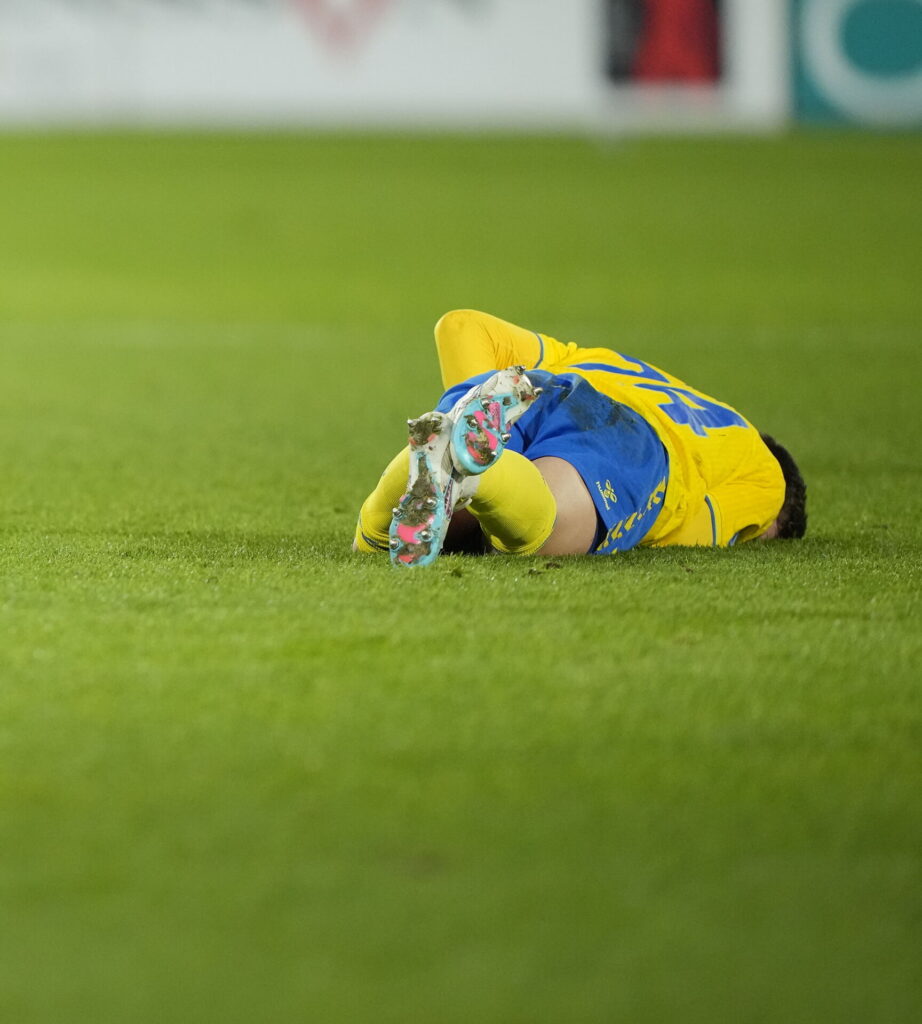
point(247, 776)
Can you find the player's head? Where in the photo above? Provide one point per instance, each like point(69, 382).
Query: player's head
point(792, 519)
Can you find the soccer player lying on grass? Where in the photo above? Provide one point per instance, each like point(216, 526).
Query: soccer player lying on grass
point(585, 452)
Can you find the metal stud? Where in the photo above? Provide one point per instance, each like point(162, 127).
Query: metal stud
point(505, 438)
point(394, 543)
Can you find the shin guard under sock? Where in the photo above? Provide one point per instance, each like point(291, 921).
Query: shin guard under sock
point(514, 505)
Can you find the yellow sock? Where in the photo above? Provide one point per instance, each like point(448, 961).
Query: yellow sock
point(514, 505)
point(371, 531)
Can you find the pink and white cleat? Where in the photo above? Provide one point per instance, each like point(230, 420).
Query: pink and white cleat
point(482, 418)
point(448, 451)
point(423, 513)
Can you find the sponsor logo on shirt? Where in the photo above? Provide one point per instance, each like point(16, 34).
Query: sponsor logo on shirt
point(607, 492)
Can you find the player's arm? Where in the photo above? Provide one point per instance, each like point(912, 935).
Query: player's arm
point(744, 508)
point(469, 342)
point(749, 501)
point(723, 517)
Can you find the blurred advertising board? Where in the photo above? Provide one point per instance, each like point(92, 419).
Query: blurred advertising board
point(547, 64)
point(696, 64)
point(858, 61)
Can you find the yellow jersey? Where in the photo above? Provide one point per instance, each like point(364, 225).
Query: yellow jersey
point(724, 484)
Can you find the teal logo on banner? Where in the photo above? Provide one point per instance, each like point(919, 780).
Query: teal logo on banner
point(858, 60)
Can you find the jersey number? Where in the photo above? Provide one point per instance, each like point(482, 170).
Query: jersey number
point(700, 416)
point(686, 408)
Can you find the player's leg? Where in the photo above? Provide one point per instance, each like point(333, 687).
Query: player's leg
point(371, 530)
point(449, 451)
point(514, 506)
point(454, 459)
point(527, 508)
point(511, 502)
point(577, 522)
point(441, 469)
point(523, 507)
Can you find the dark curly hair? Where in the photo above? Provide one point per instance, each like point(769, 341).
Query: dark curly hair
point(792, 519)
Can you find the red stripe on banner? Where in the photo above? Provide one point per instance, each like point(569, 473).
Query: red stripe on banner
point(680, 42)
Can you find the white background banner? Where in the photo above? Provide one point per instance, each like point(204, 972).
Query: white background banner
point(401, 63)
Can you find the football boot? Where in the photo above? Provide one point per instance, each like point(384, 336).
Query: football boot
point(447, 453)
